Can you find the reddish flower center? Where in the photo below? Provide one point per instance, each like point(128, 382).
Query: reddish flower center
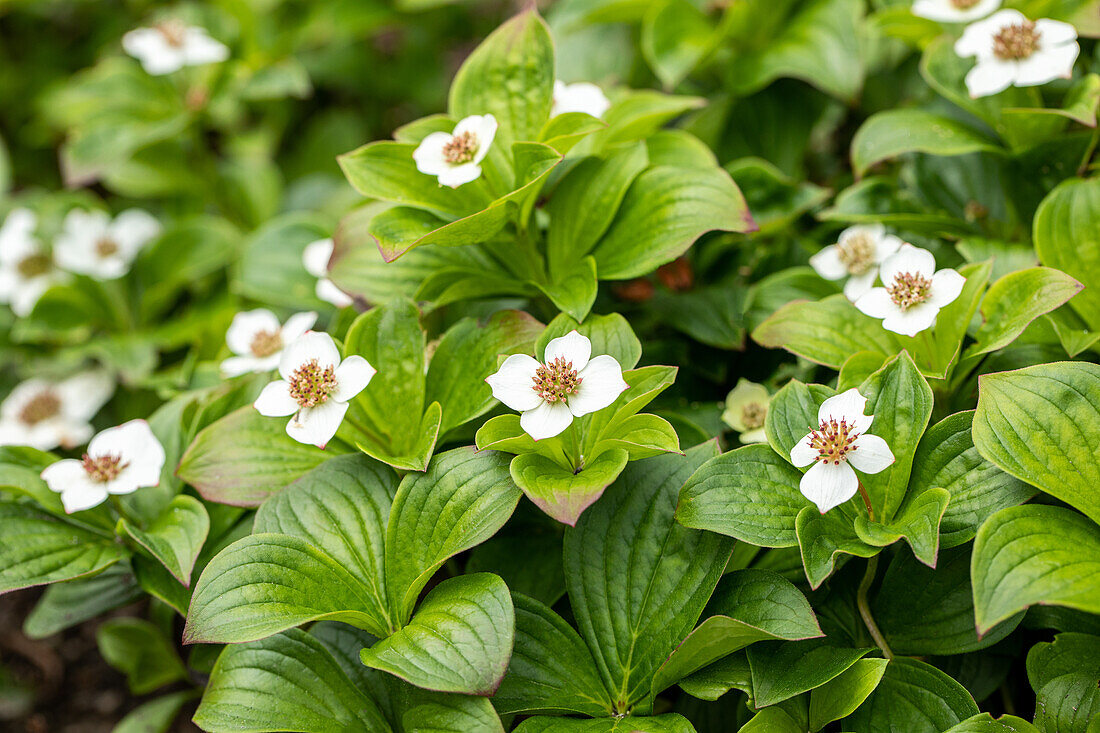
point(909, 289)
point(311, 385)
point(1015, 42)
point(964, 4)
point(266, 343)
point(106, 247)
point(461, 148)
point(34, 265)
point(42, 406)
point(753, 414)
point(104, 468)
point(556, 381)
point(833, 441)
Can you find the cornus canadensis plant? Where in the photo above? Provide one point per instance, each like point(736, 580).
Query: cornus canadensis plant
point(746, 411)
point(46, 414)
point(913, 291)
point(171, 45)
point(1012, 50)
point(315, 258)
point(258, 340)
point(581, 96)
point(954, 11)
point(27, 268)
point(857, 255)
point(455, 158)
point(93, 244)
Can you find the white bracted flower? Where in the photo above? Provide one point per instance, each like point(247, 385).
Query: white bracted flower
point(582, 96)
point(455, 157)
point(840, 443)
point(315, 258)
point(914, 291)
point(46, 414)
point(1012, 50)
point(119, 460)
point(27, 270)
point(258, 339)
point(315, 388)
point(857, 255)
point(171, 45)
point(93, 244)
point(746, 410)
point(569, 384)
point(954, 11)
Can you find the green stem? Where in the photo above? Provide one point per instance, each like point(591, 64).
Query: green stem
point(865, 609)
point(867, 502)
point(1084, 167)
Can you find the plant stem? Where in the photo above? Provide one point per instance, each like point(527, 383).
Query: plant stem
point(865, 610)
point(1084, 167)
point(867, 502)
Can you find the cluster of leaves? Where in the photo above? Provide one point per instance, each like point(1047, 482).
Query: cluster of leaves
point(434, 567)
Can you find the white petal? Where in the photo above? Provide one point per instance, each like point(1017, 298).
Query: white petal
point(83, 496)
point(22, 394)
point(83, 394)
point(513, 383)
point(944, 11)
point(246, 326)
point(859, 285)
point(65, 474)
point(546, 420)
point(601, 384)
point(745, 393)
point(199, 48)
point(871, 454)
point(327, 291)
point(829, 485)
point(574, 348)
point(304, 349)
point(151, 48)
point(802, 454)
point(317, 425)
point(990, 76)
point(17, 235)
point(912, 321)
point(459, 174)
point(977, 39)
point(486, 131)
point(753, 436)
point(68, 433)
point(946, 286)
point(275, 400)
point(579, 97)
point(908, 259)
point(316, 255)
point(876, 303)
point(872, 232)
point(235, 366)
point(1054, 32)
point(429, 154)
point(297, 325)
point(848, 406)
point(886, 245)
point(132, 230)
point(135, 443)
point(26, 295)
point(827, 263)
point(352, 377)
point(1047, 64)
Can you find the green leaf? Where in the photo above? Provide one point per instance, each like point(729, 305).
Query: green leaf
point(157, 715)
point(244, 457)
point(783, 669)
point(527, 555)
point(1069, 653)
point(1068, 703)
point(985, 723)
point(65, 605)
point(573, 290)
point(748, 606)
point(712, 315)
point(610, 334)
point(675, 37)
point(286, 681)
point(775, 199)
point(141, 651)
point(823, 537)
point(468, 495)
point(175, 537)
point(182, 255)
point(918, 522)
point(792, 413)
point(551, 668)
point(511, 76)
point(914, 697)
point(635, 115)
point(633, 623)
point(270, 268)
point(563, 493)
point(772, 720)
point(665, 210)
point(1066, 238)
point(893, 132)
point(749, 493)
point(1034, 554)
point(1016, 300)
point(715, 680)
point(668, 723)
point(38, 548)
point(563, 131)
point(1042, 424)
point(840, 696)
point(641, 436)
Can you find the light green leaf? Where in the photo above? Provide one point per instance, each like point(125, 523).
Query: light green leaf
point(573, 290)
point(675, 37)
point(561, 492)
point(841, 695)
point(141, 651)
point(915, 697)
point(1016, 300)
point(918, 522)
point(715, 680)
point(563, 131)
point(668, 723)
point(783, 669)
point(65, 605)
point(157, 715)
point(893, 132)
point(985, 723)
point(823, 537)
point(772, 720)
point(175, 537)
point(610, 334)
point(1066, 238)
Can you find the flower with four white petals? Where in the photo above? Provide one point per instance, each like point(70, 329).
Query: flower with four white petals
point(914, 291)
point(171, 45)
point(27, 270)
point(93, 244)
point(840, 443)
point(455, 157)
point(257, 339)
point(954, 11)
point(581, 96)
point(857, 255)
point(315, 388)
point(45, 414)
point(1012, 50)
point(746, 410)
point(568, 384)
point(315, 258)
point(119, 460)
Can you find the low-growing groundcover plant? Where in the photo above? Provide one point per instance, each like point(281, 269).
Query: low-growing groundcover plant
point(686, 367)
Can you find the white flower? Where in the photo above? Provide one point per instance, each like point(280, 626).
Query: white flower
point(954, 11)
point(90, 243)
point(26, 269)
point(840, 439)
point(857, 255)
point(455, 158)
point(45, 414)
point(315, 258)
point(171, 45)
point(119, 460)
point(580, 97)
point(315, 388)
point(746, 409)
point(1011, 49)
point(914, 291)
point(258, 340)
point(569, 384)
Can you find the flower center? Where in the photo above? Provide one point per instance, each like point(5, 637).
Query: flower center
point(266, 343)
point(34, 265)
point(909, 289)
point(833, 441)
point(753, 414)
point(174, 32)
point(1015, 42)
point(460, 149)
point(105, 247)
point(310, 385)
point(857, 254)
point(104, 468)
point(964, 4)
point(42, 406)
point(556, 381)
